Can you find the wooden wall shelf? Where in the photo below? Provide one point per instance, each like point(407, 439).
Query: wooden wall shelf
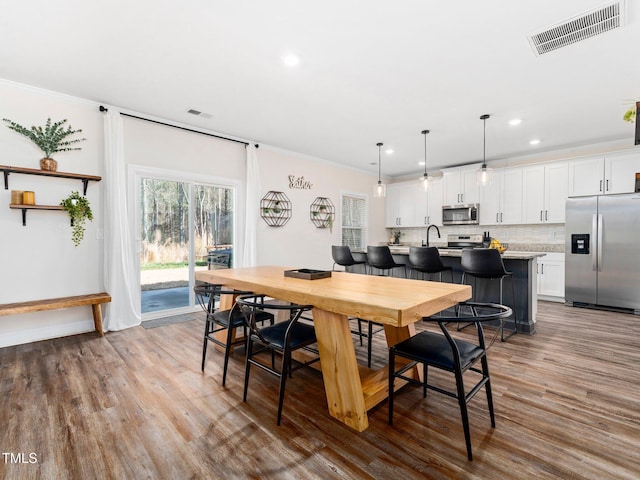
point(24, 209)
point(6, 169)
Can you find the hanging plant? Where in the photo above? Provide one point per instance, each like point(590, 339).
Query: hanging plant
point(79, 212)
point(630, 115)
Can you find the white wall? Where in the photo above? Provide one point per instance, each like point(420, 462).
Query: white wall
point(39, 261)
point(299, 244)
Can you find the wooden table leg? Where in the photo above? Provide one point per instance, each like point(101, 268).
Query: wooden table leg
point(342, 383)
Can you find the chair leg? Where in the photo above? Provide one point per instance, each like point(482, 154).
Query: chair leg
point(286, 362)
point(392, 360)
point(487, 386)
point(360, 331)
point(425, 372)
point(227, 353)
point(463, 412)
point(247, 368)
point(369, 341)
point(205, 343)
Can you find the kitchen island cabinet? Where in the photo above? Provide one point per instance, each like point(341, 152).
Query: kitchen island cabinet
point(524, 267)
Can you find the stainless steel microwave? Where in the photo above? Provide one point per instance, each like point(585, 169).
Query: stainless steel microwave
point(461, 214)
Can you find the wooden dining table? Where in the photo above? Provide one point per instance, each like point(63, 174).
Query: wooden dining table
point(397, 303)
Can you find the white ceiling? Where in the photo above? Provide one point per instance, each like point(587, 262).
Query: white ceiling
point(370, 71)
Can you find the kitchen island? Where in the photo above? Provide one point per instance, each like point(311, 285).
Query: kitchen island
point(523, 266)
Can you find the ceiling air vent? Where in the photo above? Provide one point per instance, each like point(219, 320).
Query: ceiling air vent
point(576, 29)
point(198, 113)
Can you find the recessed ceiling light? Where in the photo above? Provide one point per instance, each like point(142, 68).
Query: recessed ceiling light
point(290, 60)
point(388, 151)
point(421, 163)
point(535, 141)
point(515, 121)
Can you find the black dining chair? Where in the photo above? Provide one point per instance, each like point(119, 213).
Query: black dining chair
point(342, 256)
point(426, 260)
point(380, 257)
point(283, 338)
point(487, 264)
point(453, 355)
point(216, 320)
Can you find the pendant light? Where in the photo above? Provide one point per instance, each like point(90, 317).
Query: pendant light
point(425, 180)
point(484, 175)
point(380, 190)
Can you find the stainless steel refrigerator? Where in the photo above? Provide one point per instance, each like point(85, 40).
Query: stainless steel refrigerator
point(602, 251)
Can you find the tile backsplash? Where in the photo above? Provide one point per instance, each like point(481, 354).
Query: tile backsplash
point(550, 234)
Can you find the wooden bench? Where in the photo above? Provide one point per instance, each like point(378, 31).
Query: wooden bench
point(94, 299)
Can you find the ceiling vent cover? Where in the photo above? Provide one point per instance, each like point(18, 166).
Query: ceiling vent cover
point(576, 29)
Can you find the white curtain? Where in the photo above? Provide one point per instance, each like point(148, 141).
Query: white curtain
point(252, 204)
point(120, 269)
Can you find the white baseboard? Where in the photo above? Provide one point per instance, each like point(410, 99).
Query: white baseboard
point(45, 333)
point(548, 298)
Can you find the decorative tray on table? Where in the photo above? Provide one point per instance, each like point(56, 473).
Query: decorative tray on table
point(307, 273)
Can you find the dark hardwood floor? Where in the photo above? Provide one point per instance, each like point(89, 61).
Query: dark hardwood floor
point(134, 404)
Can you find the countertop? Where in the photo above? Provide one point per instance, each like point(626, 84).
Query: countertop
point(455, 252)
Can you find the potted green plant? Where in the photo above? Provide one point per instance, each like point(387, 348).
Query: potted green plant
point(50, 139)
point(79, 212)
point(630, 115)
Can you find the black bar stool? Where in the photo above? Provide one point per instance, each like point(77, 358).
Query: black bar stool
point(486, 263)
point(426, 260)
point(380, 257)
point(342, 256)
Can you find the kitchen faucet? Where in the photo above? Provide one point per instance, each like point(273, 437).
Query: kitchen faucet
point(429, 228)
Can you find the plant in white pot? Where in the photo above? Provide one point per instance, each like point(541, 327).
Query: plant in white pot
point(50, 139)
point(79, 212)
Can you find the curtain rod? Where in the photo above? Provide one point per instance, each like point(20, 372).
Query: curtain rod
point(105, 109)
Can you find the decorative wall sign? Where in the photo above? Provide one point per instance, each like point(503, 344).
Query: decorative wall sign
point(322, 213)
point(275, 209)
point(299, 182)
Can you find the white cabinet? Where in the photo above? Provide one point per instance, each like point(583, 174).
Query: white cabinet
point(460, 185)
point(551, 276)
point(502, 200)
point(544, 193)
point(620, 172)
point(401, 205)
point(429, 205)
point(408, 206)
point(434, 212)
point(604, 175)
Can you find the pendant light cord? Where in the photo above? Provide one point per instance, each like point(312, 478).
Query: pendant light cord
point(484, 140)
point(424, 132)
point(379, 163)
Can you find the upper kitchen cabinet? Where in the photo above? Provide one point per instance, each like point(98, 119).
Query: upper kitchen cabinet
point(401, 204)
point(460, 185)
point(408, 206)
point(429, 205)
point(502, 200)
point(544, 193)
point(613, 173)
point(434, 195)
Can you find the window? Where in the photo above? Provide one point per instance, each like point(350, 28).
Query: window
point(354, 221)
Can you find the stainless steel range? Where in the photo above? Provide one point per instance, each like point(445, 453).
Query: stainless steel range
point(464, 241)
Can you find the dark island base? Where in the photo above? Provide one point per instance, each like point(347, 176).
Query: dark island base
point(524, 283)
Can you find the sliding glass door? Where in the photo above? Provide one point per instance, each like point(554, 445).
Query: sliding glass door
point(184, 226)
